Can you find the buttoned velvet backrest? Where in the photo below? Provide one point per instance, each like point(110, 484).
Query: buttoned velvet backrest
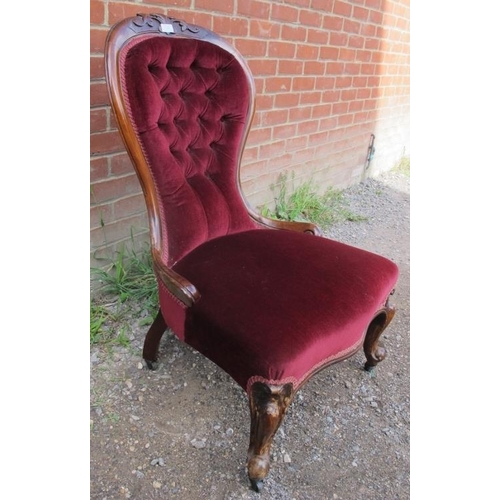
point(188, 101)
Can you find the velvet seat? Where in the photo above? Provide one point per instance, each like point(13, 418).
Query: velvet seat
point(296, 308)
point(270, 302)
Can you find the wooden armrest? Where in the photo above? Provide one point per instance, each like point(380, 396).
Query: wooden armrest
point(179, 286)
point(301, 227)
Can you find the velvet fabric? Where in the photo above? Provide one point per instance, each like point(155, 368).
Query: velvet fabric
point(188, 100)
point(276, 305)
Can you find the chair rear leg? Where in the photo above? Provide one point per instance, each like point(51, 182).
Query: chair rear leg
point(373, 351)
point(152, 341)
point(268, 405)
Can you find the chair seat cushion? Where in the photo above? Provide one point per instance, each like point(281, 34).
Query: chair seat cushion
point(277, 305)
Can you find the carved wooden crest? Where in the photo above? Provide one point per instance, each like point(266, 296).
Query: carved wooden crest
point(163, 24)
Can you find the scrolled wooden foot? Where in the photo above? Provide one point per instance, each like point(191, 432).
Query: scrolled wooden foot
point(268, 405)
point(374, 352)
point(152, 341)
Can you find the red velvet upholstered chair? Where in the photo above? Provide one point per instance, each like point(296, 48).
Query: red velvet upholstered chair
point(270, 302)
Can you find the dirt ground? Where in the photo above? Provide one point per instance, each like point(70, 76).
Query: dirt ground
point(181, 432)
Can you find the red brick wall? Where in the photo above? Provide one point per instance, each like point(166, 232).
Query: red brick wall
point(328, 74)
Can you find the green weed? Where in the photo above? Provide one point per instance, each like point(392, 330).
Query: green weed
point(131, 285)
point(403, 166)
point(304, 204)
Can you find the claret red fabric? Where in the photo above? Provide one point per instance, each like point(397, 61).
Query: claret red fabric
point(275, 305)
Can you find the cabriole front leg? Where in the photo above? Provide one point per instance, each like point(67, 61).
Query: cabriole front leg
point(268, 405)
point(152, 341)
point(373, 351)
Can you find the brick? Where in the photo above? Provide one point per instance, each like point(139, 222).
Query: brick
point(310, 97)
point(129, 206)
point(368, 30)
point(356, 42)
point(340, 108)
point(345, 120)
point(351, 26)
point(97, 39)
point(275, 117)
point(119, 11)
point(372, 43)
point(230, 26)
point(253, 8)
point(281, 49)
point(96, 67)
point(290, 67)
point(284, 131)
point(294, 33)
point(98, 169)
point(330, 96)
point(321, 110)
point(347, 54)
point(325, 82)
point(120, 164)
point(308, 127)
point(295, 143)
point(362, 93)
point(176, 3)
point(317, 36)
point(264, 102)
point(278, 84)
point(376, 17)
point(105, 142)
point(342, 8)
point(282, 12)
point(98, 94)
point(259, 135)
point(307, 52)
point(301, 114)
point(225, 6)
point(263, 66)
point(310, 18)
point(348, 95)
point(114, 188)
point(250, 153)
point(343, 82)
point(303, 83)
point(374, 4)
point(331, 53)
point(251, 48)
point(254, 169)
point(328, 123)
point(318, 138)
point(287, 100)
point(325, 5)
point(360, 13)
point(98, 120)
point(334, 68)
point(271, 150)
point(100, 215)
point(314, 68)
point(352, 68)
point(333, 23)
point(359, 81)
point(367, 69)
point(264, 29)
point(96, 12)
point(117, 231)
point(338, 39)
point(363, 55)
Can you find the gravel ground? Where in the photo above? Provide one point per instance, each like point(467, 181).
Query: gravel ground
point(182, 431)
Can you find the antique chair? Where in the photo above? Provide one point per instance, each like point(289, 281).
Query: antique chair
point(269, 302)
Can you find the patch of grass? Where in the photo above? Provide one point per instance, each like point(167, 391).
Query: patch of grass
point(403, 166)
point(131, 285)
point(304, 204)
point(130, 278)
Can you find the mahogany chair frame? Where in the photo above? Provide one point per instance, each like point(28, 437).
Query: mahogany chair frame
point(268, 403)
